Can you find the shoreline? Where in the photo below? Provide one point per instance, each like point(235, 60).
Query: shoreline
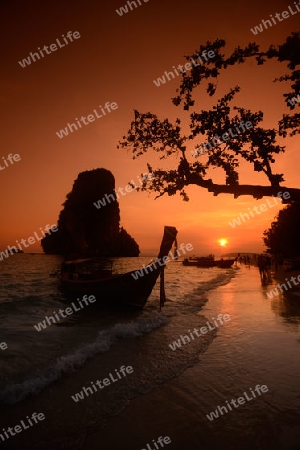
point(177, 408)
point(75, 422)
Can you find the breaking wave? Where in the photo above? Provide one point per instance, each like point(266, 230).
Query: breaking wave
point(73, 361)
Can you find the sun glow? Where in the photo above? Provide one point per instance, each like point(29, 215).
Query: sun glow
point(223, 242)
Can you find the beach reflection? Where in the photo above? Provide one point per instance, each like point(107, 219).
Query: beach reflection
point(287, 305)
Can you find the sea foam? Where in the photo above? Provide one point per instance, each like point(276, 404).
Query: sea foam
point(73, 361)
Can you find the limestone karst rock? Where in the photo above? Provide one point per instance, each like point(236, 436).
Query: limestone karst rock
point(86, 230)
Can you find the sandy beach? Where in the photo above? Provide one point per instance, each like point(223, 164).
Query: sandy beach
point(178, 408)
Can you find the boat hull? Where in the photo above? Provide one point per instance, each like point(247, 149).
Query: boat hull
point(130, 289)
point(190, 263)
point(208, 262)
point(226, 264)
point(118, 291)
point(199, 262)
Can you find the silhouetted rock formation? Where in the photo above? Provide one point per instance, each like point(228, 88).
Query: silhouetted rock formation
point(85, 230)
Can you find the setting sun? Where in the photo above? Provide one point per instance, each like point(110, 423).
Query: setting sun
point(223, 242)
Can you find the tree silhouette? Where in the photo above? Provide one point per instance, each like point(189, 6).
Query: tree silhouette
point(256, 145)
point(283, 235)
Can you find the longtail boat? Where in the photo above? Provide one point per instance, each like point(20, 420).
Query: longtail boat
point(129, 289)
point(200, 261)
point(225, 263)
point(208, 261)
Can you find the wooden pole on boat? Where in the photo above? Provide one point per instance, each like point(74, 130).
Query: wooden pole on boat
point(162, 288)
point(176, 249)
point(169, 237)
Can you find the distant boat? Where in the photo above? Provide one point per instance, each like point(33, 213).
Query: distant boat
point(208, 261)
point(85, 276)
point(225, 263)
point(200, 261)
point(192, 261)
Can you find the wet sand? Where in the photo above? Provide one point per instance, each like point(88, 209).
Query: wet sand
point(178, 408)
point(68, 424)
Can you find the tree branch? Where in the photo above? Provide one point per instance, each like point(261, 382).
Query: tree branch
point(255, 191)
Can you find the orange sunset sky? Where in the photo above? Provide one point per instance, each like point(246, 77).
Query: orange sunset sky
point(116, 59)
